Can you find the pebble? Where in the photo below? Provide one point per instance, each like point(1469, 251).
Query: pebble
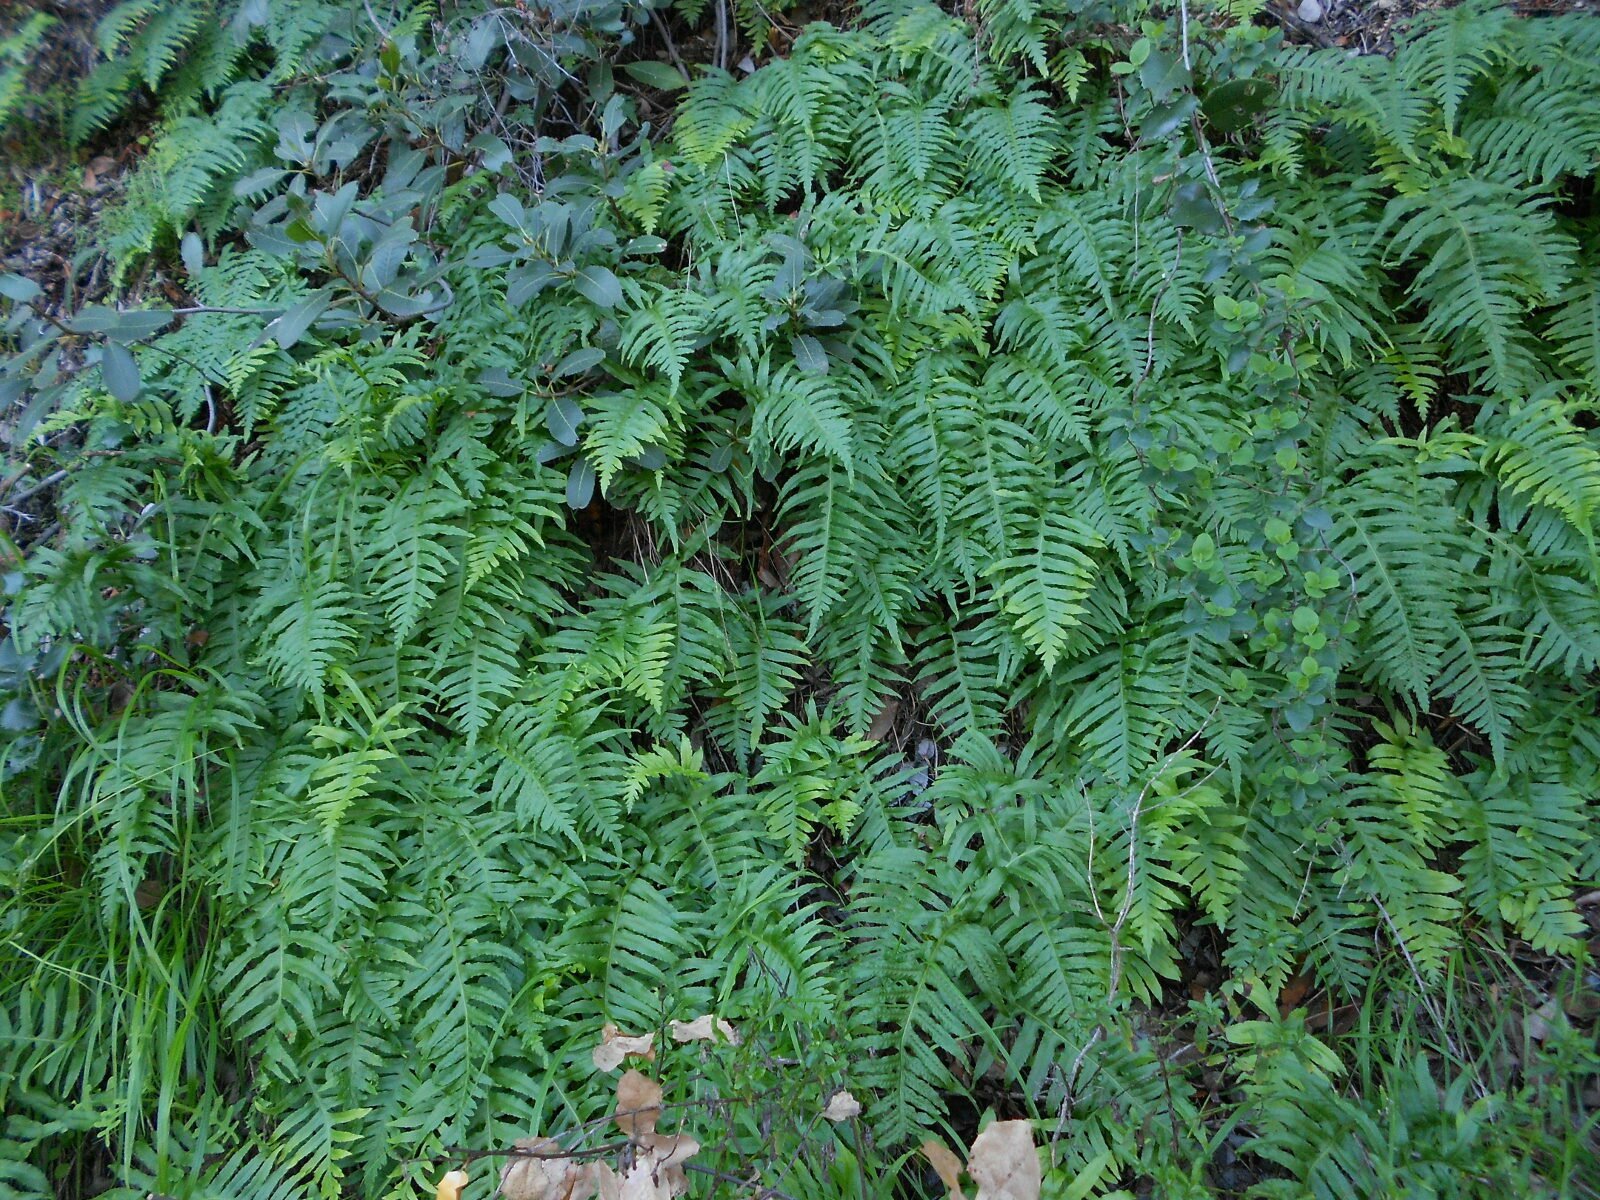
point(1310, 11)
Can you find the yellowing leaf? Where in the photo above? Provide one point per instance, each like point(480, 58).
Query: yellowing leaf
point(1004, 1164)
point(704, 1029)
point(450, 1186)
point(947, 1166)
point(842, 1106)
point(615, 1046)
point(638, 1104)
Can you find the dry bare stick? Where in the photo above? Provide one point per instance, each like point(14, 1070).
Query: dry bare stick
point(28, 493)
point(672, 48)
point(724, 50)
point(760, 1191)
point(470, 1153)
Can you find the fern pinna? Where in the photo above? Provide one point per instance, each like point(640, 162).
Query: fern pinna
point(998, 544)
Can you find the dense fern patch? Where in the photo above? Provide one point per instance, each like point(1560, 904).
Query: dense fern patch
point(1000, 552)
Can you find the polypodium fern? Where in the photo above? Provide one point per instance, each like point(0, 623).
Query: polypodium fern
point(1131, 554)
point(1451, 52)
point(1394, 566)
point(1043, 586)
point(1489, 255)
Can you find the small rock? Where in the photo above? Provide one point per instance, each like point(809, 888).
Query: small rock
point(1310, 11)
point(927, 750)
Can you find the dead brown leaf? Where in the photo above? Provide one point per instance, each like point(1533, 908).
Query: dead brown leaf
point(1294, 991)
point(638, 1104)
point(1542, 1022)
point(657, 1174)
point(883, 722)
point(558, 1178)
point(1004, 1164)
point(99, 166)
point(707, 1028)
point(640, 1183)
point(666, 1153)
point(450, 1186)
point(946, 1165)
point(615, 1046)
point(669, 1149)
point(532, 1178)
point(841, 1107)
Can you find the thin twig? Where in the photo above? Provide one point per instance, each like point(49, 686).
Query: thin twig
point(672, 49)
point(466, 1154)
point(723, 51)
point(762, 1192)
point(373, 17)
point(49, 481)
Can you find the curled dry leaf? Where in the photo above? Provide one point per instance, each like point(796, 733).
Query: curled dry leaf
point(666, 1153)
point(450, 1186)
point(1004, 1164)
point(659, 1155)
point(615, 1046)
point(883, 724)
point(553, 1178)
point(704, 1029)
point(842, 1106)
point(669, 1149)
point(638, 1105)
point(640, 1183)
point(946, 1165)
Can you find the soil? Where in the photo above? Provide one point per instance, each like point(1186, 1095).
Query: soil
point(51, 194)
point(1369, 26)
